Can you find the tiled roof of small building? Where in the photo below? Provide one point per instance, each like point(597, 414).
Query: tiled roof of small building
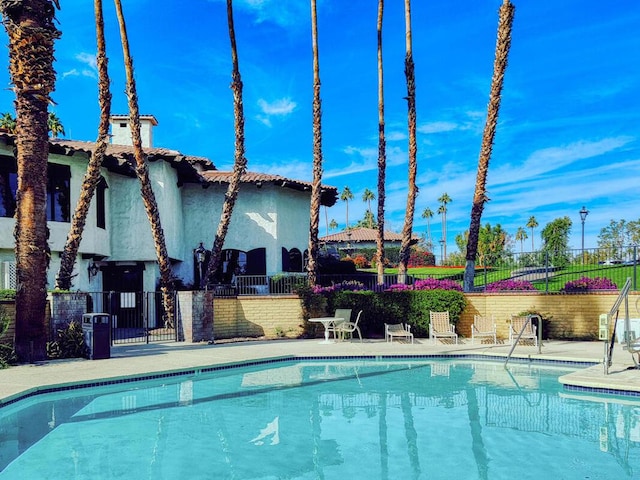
point(362, 234)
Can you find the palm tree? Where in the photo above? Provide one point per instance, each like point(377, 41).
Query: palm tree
point(532, 224)
point(345, 196)
point(503, 44)
point(142, 171)
point(31, 30)
point(316, 185)
point(382, 154)
point(54, 125)
point(427, 214)
point(442, 210)
point(240, 162)
point(92, 176)
point(8, 122)
point(333, 224)
point(413, 146)
point(521, 236)
point(367, 196)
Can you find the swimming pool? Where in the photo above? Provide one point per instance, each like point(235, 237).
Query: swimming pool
point(385, 418)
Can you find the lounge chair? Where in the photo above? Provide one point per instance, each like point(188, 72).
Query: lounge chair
point(483, 327)
point(347, 328)
point(398, 330)
point(345, 315)
point(519, 322)
point(441, 327)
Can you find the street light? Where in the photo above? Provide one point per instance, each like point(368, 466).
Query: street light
point(583, 216)
point(200, 254)
point(441, 251)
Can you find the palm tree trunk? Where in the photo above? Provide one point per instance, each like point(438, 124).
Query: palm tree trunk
point(32, 33)
point(240, 162)
point(316, 185)
point(503, 44)
point(413, 149)
point(382, 153)
point(142, 171)
point(92, 176)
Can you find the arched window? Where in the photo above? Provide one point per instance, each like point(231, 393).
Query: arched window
point(295, 260)
point(101, 215)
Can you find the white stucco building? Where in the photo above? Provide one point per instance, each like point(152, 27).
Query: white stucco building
point(269, 231)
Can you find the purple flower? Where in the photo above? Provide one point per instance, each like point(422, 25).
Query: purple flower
point(503, 285)
point(586, 284)
point(437, 284)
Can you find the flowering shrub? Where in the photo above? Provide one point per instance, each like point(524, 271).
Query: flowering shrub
point(361, 261)
point(503, 285)
point(421, 258)
point(586, 284)
point(435, 283)
point(398, 287)
point(350, 285)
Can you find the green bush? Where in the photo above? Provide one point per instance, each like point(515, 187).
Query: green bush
point(7, 351)
point(408, 306)
point(7, 294)
point(69, 344)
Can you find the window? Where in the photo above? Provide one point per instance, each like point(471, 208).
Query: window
point(8, 186)
point(58, 195)
point(100, 203)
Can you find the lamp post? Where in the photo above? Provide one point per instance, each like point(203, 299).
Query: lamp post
point(583, 216)
point(200, 254)
point(441, 251)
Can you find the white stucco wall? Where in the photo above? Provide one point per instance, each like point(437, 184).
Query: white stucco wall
point(269, 217)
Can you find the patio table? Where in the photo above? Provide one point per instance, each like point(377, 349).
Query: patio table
point(326, 322)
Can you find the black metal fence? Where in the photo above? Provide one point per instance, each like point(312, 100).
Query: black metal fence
point(548, 271)
point(136, 317)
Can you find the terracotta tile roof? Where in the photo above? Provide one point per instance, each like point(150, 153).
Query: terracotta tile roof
point(362, 234)
point(191, 169)
point(329, 195)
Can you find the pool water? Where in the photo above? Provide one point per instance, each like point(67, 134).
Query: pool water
point(361, 419)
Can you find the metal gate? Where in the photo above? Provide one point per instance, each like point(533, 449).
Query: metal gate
point(136, 317)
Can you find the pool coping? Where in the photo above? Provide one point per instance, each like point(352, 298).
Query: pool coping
point(198, 370)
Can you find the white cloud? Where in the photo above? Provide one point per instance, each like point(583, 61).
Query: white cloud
point(283, 106)
point(437, 127)
point(71, 73)
point(285, 13)
point(88, 59)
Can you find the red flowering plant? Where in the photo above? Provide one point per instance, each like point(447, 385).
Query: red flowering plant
point(361, 261)
point(586, 284)
point(515, 285)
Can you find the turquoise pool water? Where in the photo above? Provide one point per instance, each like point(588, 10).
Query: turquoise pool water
point(374, 419)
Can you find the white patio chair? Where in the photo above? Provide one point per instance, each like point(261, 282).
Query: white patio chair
point(441, 327)
point(483, 327)
point(398, 330)
point(345, 315)
point(347, 328)
point(519, 322)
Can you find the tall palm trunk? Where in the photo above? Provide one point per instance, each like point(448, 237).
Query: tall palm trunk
point(316, 185)
point(240, 162)
point(92, 176)
point(503, 44)
point(382, 153)
point(31, 31)
point(405, 246)
point(142, 171)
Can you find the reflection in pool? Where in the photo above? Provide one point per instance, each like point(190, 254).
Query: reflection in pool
point(387, 419)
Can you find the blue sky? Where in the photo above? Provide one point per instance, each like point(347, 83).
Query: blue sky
point(568, 133)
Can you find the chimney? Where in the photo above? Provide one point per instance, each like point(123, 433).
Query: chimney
point(121, 130)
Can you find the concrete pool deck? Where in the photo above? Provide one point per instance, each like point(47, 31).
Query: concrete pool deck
point(158, 358)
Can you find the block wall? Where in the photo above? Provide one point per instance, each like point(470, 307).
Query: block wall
point(257, 316)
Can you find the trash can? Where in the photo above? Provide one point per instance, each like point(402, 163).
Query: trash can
point(97, 334)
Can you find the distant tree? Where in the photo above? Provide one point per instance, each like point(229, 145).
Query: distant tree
point(532, 224)
point(382, 153)
point(617, 235)
point(55, 125)
point(444, 200)
point(368, 221)
point(521, 236)
point(367, 196)
point(503, 44)
point(333, 224)
point(427, 214)
point(493, 244)
point(555, 238)
point(412, 193)
point(316, 186)
point(345, 196)
point(8, 122)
